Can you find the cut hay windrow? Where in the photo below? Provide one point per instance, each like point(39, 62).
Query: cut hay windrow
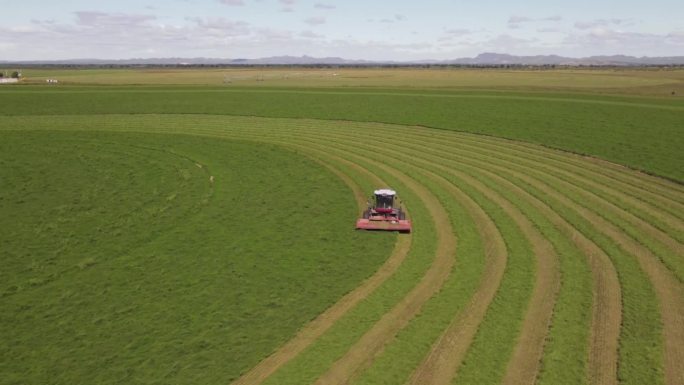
point(634, 318)
point(582, 281)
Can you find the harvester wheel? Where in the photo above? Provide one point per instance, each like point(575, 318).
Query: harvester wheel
point(366, 214)
point(402, 215)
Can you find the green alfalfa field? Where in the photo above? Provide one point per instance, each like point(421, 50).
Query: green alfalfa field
point(203, 232)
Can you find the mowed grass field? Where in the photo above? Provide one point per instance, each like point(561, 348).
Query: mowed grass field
point(127, 262)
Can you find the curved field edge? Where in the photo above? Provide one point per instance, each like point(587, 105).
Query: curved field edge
point(188, 302)
point(632, 134)
point(314, 123)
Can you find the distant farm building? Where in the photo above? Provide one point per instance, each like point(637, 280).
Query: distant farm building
point(6, 78)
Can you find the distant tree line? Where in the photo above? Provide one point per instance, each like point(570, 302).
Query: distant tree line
point(14, 75)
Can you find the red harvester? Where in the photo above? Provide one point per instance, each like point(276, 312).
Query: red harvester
point(384, 213)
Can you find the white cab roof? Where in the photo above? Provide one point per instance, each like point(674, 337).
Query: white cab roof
point(385, 191)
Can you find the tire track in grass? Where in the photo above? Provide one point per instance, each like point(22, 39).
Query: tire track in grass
point(668, 217)
point(668, 250)
point(670, 257)
point(437, 269)
point(534, 371)
point(288, 377)
point(412, 343)
point(325, 320)
point(595, 371)
point(361, 354)
point(448, 351)
point(668, 289)
point(442, 363)
point(628, 223)
point(647, 211)
point(214, 134)
point(524, 364)
point(467, 313)
point(606, 319)
point(654, 268)
point(443, 360)
point(666, 210)
point(606, 302)
point(609, 174)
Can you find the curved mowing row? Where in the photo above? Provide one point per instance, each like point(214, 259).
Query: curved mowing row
point(526, 264)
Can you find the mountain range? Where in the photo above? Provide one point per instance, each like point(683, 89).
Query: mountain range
point(487, 58)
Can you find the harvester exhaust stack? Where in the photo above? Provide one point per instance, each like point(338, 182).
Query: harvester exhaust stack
point(384, 213)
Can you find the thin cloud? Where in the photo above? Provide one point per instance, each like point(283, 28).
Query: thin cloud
point(315, 20)
point(515, 22)
point(395, 19)
point(324, 6)
point(232, 3)
point(311, 35)
point(455, 32)
point(519, 19)
point(221, 26)
point(603, 23)
point(89, 18)
point(272, 35)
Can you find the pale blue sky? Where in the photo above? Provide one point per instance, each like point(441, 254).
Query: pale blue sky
point(377, 30)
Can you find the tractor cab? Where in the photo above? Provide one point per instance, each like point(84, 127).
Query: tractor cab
point(384, 200)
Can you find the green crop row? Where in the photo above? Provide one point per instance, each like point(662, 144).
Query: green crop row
point(647, 317)
point(508, 305)
point(641, 335)
point(587, 196)
point(495, 347)
point(641, 341)
point(639, 132)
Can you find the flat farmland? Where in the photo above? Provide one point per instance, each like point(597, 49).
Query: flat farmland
point(635, 81)
point(202, 234)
